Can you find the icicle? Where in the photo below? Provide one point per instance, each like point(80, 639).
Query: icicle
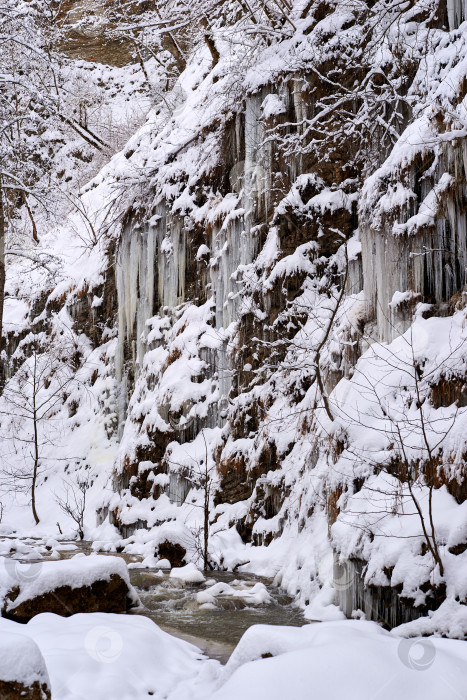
point(457, 13)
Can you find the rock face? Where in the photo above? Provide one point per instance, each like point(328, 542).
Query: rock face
point(112, 596)
point(383, 604)
point(223, 303)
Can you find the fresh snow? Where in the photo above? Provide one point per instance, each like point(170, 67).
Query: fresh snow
point(36, 579)
point(129, 657)
point(187, 574)
point(20, 658)
point(98, 656)
point(182, 357)
point(355, 660)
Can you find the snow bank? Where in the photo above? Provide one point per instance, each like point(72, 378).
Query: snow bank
point(450, 620)
point(130, 658)
point(115, 656)
point(355, 660)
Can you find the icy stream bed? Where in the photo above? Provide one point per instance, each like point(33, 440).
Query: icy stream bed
point(212, 614)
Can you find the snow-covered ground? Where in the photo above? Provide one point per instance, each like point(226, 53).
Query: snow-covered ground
point(96, 656)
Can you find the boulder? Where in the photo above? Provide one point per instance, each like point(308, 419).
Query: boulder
point(23, 673)
point(173, 552)
point(78, 585)
point(188, 574)
point(12, 690)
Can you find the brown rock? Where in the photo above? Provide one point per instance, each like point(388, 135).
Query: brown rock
point(112, 596)
point(12, 690)
point(175, 553)
point(457, 549)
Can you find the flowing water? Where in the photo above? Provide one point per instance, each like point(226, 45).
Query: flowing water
point(214, 628)
point(214, 623)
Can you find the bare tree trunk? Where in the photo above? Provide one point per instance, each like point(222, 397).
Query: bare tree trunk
point(431, 468)
point(324, 340)
point(172, 46)
point(34, 474)
point(206, 524)
point(207, 494)
point(210, 43)
point(36, 447)
point(430, 541)
point(33, 223)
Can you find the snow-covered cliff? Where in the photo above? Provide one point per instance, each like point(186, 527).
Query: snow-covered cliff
point(275, 313)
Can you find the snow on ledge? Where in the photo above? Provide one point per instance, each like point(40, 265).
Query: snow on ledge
point(400, 298)
point(272, 105)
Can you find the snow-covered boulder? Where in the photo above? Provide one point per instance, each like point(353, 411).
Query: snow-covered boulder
point(249, 595)
point(188, 574)
point(81, 584)
point(172, 550)
point(23, 673)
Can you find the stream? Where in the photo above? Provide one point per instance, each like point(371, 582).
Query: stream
point(214, 628)
point(190, 611)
